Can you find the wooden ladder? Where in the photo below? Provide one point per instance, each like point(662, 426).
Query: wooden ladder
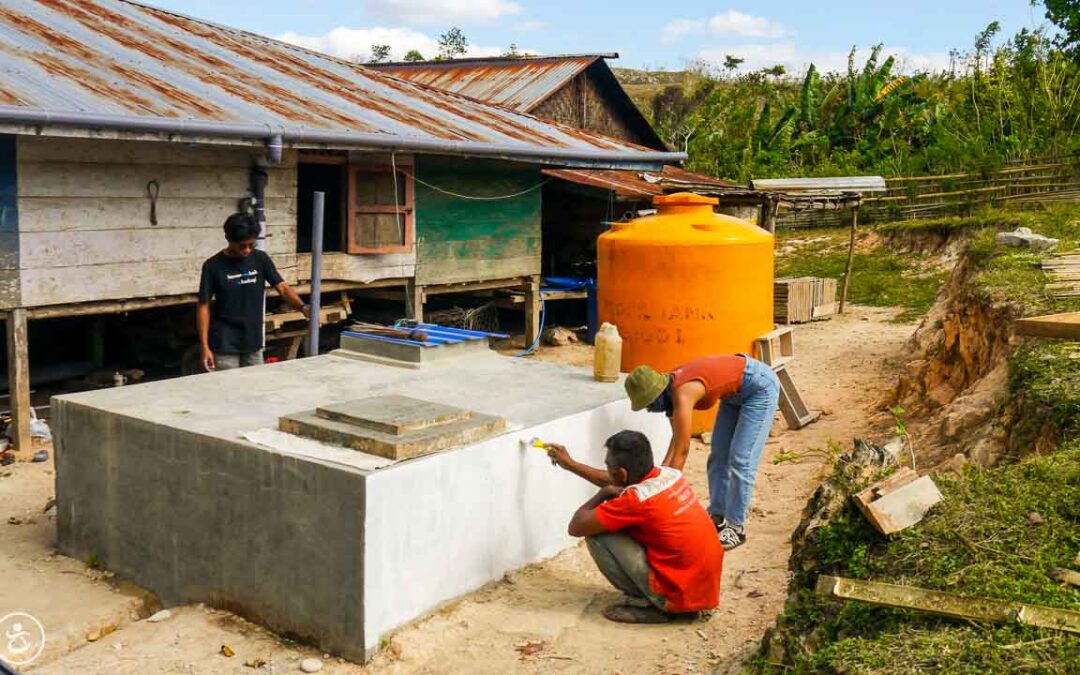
point(777, 350)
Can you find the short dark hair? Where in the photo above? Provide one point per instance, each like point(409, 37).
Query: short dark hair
point(631, 450)
point(241, 226)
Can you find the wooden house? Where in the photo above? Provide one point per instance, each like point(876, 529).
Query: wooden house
point(129, 133)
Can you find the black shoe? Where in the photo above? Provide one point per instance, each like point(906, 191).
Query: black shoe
point(731, 537)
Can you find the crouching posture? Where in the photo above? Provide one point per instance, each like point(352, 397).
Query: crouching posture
point(647, 532)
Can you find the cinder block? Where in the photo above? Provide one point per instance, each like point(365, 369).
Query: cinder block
point(899, 501)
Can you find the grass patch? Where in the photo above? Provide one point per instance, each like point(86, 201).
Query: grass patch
point(979, 541)
point(880, 278)
point(1013, 275)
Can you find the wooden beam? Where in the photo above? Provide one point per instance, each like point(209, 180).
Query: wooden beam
point(415, 295)
point(1062, 326)
point(984, 610)
point(470, 286)
point(532, 311)
point(108, 307)
point(19, 380)
point(850, 259)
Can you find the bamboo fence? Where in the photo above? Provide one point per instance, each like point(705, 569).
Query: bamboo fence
point(957, 194)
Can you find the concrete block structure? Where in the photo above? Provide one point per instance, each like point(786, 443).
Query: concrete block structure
point(163, 484)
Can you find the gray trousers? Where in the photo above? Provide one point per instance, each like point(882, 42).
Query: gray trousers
point(622, 562)
point(230, 361)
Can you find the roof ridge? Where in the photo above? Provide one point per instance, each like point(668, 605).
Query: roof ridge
point(488, 59)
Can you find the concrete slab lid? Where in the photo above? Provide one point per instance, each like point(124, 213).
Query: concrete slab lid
point(224, 404)
point(392, 413)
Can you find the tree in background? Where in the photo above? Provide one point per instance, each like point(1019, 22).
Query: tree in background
point(512, 52)
point(452, 44)
point(998, 101)
point(732, 63)
point(413, 55)
point(1065, 14)
point(379, 54)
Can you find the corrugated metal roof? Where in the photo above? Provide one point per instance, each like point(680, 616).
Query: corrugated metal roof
point(120, 59)
point(517, 83)
point(644, 184)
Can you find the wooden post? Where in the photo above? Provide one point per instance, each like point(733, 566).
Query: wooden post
point(414, 300)
point(767, 214)
point(19, 380)
point(532, 311)
point(97, 341)
point(850, 259)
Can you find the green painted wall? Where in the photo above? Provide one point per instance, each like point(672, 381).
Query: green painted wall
point(467, 240)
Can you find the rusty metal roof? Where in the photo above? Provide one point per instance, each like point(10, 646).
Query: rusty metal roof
point(522, 83)
point(518, 83)
point(71, 61)
point(637, 185)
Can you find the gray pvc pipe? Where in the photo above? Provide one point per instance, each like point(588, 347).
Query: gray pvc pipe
point(317, 210)
point(627, 159)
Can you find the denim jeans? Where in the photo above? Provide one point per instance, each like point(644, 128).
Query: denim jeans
point(622, 562)
point(230, 361)
point(738, 439)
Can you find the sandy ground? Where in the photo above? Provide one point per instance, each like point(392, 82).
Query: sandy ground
point(543, 618)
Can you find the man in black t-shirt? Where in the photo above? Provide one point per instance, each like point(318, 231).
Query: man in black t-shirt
point(231, 327)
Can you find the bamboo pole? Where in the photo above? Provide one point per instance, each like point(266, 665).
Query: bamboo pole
point(850, 259)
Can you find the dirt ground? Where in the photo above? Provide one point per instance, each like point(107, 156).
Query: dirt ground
point(543, 618)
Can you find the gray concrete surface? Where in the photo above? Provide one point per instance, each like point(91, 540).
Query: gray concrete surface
point(155, 482)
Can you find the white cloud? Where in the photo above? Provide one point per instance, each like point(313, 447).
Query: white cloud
point(355, 43)
point(440, 11)
point(731, 23)
point(788, 54)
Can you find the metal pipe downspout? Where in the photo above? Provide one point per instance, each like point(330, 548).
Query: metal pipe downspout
point(643, 159)
point(315, 305)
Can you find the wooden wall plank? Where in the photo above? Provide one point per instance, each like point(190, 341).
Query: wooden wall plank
point(70, 179)
point(42, 250)
point(456, 271)
point(360, 268)
point(65, 214)
point(462, 239)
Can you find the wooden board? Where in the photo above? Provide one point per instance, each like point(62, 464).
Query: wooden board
point(1062, 326)
point(984, 610)
point(462, 239)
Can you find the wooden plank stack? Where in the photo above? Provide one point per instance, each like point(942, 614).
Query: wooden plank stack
point(1064, 274)
point(803, 299)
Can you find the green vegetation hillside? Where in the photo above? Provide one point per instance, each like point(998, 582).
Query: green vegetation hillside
point(1002, 100)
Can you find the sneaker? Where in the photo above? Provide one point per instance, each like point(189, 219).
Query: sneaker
point(731, 536)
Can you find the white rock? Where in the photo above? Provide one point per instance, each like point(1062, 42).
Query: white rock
point(160, 616)
point(311, 665)
point(1025, 238)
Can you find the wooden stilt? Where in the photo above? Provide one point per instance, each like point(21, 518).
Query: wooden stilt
point(97, 341)
point(19, 380)
point(414, 300)
point(532, 311)
point(850, 259)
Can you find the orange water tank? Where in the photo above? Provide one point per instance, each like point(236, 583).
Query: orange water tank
point(684, 283)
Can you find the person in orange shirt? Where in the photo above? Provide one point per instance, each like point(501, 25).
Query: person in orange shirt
point(647, 532)
point(748, 392)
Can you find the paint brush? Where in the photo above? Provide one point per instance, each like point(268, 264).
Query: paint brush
point(535, 442)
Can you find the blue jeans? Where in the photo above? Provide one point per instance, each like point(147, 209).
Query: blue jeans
point(738, 439)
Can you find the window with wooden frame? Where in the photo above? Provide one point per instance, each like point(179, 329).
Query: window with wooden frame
point(381, 217)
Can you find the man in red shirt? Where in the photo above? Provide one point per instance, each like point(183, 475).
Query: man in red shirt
point(647, 532)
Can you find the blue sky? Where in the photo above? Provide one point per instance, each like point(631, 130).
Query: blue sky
point(646, 34)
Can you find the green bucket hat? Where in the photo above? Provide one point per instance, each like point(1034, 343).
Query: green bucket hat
point(643, 386)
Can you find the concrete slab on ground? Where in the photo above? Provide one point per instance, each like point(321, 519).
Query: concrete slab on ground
point(158, 483)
